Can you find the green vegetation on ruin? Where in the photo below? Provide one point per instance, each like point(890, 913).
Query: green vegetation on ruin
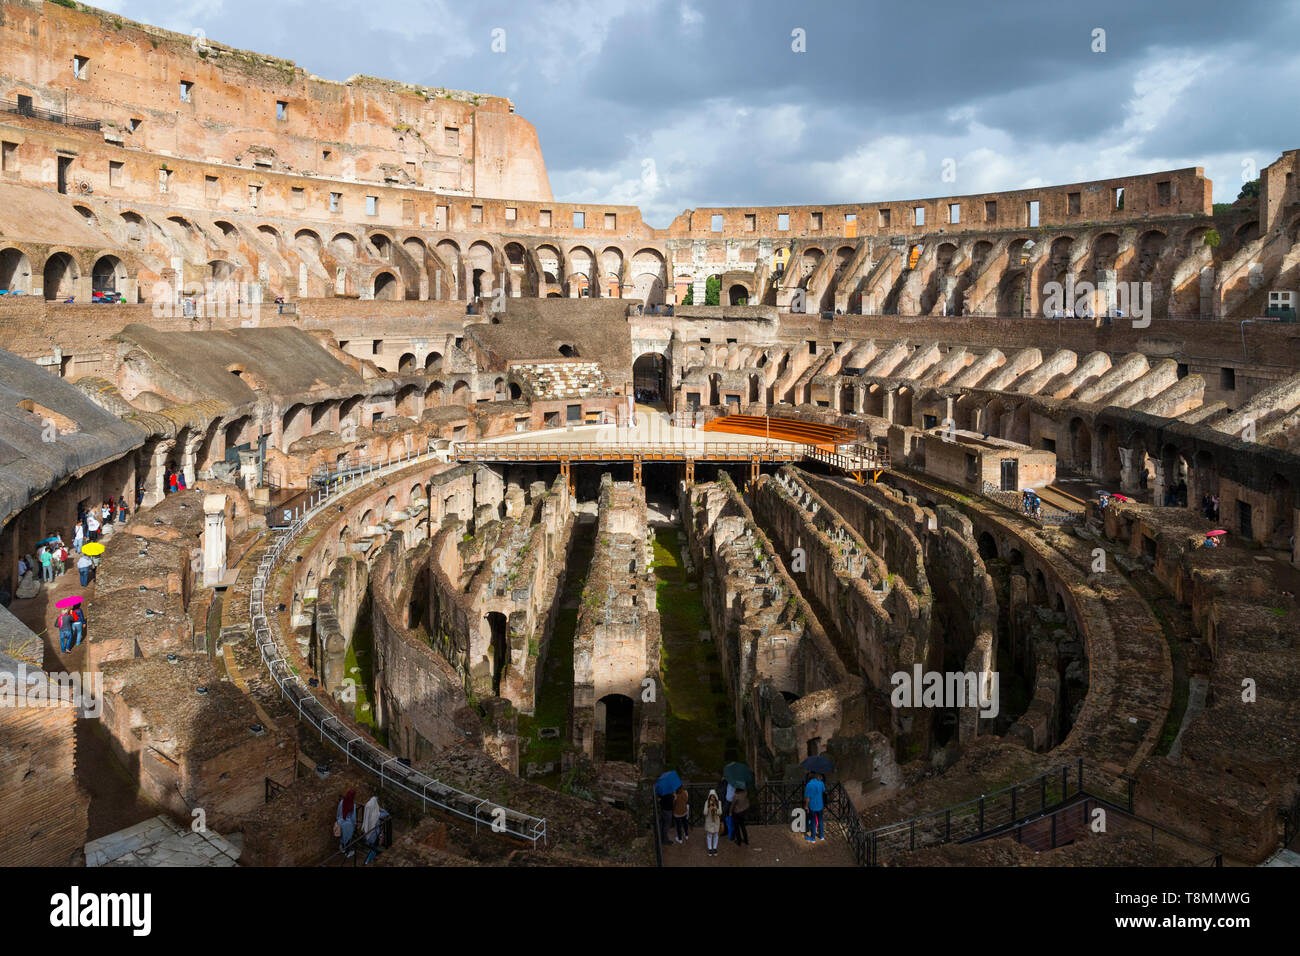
point(700, 736)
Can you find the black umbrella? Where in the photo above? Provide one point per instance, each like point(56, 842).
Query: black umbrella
point(818, 764)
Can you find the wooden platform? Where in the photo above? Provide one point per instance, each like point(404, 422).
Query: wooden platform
point(825, 437)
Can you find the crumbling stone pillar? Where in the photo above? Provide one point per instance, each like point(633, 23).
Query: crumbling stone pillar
point(214, 539)
point(155, 487)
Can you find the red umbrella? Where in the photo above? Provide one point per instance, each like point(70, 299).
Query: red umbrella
point(1214, 534)
point(1120, 497)
point(72, 601)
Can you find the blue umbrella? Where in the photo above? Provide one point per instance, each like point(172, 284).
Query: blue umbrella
point(818, 764)
point(668, 782)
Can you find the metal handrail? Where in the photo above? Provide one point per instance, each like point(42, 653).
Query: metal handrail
point(619, 451)
point(356, 748)
point(50, 116)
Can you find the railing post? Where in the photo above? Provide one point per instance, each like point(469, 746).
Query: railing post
point(1013, 805)
point(947, 826)
point(1081, 775)
point(981, 830)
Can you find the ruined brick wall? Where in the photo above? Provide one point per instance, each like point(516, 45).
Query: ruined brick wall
point(44, 806)
point(419, 698)
point(376, 130)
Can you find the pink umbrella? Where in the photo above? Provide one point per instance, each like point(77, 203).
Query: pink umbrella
point(72, 601)
point(1120, 497)
point(1214, 534)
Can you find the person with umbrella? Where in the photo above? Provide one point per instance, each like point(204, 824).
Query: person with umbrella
point(84, 564)
point(64, 623)
point(739, 806)
point(665, 788)
point(78, 623)
point(814, 795)
point(682, 814)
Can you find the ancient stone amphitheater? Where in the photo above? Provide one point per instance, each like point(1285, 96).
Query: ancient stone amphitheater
point(441, 490)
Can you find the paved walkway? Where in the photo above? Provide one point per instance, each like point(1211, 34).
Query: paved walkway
point(768, 846)
point(161, 841)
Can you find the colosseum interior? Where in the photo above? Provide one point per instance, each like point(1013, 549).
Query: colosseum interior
point(428, 486)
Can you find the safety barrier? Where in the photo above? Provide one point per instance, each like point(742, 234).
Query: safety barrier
point(357, 748)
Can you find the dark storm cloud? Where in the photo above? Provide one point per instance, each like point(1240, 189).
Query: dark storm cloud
point(883, 92)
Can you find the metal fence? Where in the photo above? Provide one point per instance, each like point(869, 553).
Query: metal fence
point(357, 748)
point(24, 107)
point(991, 813)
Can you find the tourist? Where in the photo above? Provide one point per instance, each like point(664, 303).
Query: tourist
point(738, 808)
point(106, 514)
point(1214, 507)
point(23, 567)
point(814, 801)
point(78, 625)
point(666, 802)
point(78, 535)
point(681, 814)
point(92, 526)
point(372, 818)
point(64, 623)
point(60, 560)
point(729, 795)
point(345, 821)
point(84, 564)
point(122, 513)
point(712, 822)
point(47, 565)
point(180, 481)
point(171, 482)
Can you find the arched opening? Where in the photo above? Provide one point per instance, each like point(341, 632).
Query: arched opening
point(15, 272)
point(988, 547)
point(406, 402)
point(568, 351)
point(498, 649)
point(60, 276)
point(433, 362)
point(435, 395)
point(345, 245)
point(738, 295)
point(460, 393)
point(650, 378)
point(108, 276)
point(515, 392)
point(618, 713)
point(407, 362)
point(387, 287)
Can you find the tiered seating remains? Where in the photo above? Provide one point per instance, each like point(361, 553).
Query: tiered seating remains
point(783, 429)
point(551, 380)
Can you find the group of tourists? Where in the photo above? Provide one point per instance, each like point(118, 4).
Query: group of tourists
point(728, 813)
point(173, 481)
point(372, 826)
point(71, 623)
point(1210, 506)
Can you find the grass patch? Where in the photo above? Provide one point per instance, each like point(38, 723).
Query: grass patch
point(699, 736)
point(361, 655)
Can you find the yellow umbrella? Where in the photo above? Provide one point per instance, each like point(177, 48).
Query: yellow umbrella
point(94, 549)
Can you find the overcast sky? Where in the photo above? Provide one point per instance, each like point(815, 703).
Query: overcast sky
point(670, 105)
